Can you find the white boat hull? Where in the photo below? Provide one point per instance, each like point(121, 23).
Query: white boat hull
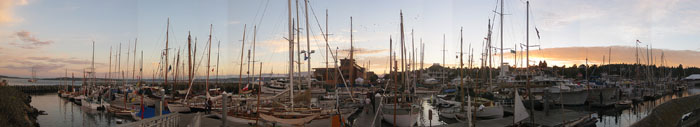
point(404, 116)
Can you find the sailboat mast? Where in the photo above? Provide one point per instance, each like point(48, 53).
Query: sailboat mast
point(110, 65)
point(218, 52)
point(189, 64)
point(240, 69)
point(167, 30)
point(92, 77)
point(127, 58)
point(527, 54)
point(308, 45)
point(209, 59)
point(291, 53)
point(327, 47)
point(133, 66)
point(391, 61)
point(461, 65)
point(255, 32)
point(352, 58)
point(501, 13)
point(443, 54)
point(298, 30)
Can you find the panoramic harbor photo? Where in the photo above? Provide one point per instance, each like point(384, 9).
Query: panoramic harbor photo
point(357, 63)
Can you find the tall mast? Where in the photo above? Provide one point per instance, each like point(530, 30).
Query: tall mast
point(527, 49)
point(352, 59)
point(110, 65)
point(327, 47)
point(391, 61)
point(167, 30)
point(189, 64)
point(92, 77)
point(308, 45)
point(298, 30)
point(127, 58)
point(403, 58)
point(413, 58)
point(499, 65)
point(133, 66)
point(218, 49)
point(208, 59)
point(443, 54)
point(177, 69)
point(240, 69)
point(291, 52)
point(461, 64)
point(255, 32)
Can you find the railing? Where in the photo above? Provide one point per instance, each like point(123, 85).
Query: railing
point(169, 120)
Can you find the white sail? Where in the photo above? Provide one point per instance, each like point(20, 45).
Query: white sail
point(520, 111)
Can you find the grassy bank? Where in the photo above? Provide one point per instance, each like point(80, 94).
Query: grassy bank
point(16, 111)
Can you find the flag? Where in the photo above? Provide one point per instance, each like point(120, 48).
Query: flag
point(212, 70)
point(639, 41)
point(512, 51)
point(538, 33)
point(246, 87)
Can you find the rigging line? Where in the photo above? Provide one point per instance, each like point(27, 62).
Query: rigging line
point(317, 22)
point(267, 3)
point(257, 12)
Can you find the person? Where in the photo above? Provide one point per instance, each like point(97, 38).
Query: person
point(370, 95)
point(208, 106)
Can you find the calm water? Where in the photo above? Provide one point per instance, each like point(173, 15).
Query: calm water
point(63, 113)
point(627, 117)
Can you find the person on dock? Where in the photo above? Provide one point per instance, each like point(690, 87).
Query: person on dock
point(208, 106)
point(370, 95)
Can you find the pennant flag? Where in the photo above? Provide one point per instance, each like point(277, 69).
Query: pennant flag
point(212, 70)
point(538, 33)
point(639, 41)
point(512, 51)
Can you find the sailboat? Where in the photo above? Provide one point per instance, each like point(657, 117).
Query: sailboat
point(400, 111)
point(33, 79)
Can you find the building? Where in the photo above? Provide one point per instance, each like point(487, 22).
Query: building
point(437, 72)
point(346, 65)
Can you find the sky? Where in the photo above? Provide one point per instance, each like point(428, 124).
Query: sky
point(57, 36)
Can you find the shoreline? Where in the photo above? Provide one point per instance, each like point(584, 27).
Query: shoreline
point(17, 109)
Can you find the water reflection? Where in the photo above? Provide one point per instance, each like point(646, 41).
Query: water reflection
point(64, 113)
point(612, 117)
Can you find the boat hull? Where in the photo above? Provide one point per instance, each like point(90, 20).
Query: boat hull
point(404, 116)
point(570, 98)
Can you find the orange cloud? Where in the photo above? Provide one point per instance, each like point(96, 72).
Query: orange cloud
point(620, 54)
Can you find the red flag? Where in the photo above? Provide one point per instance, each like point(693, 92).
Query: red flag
point(245, 88)
point(639, 41)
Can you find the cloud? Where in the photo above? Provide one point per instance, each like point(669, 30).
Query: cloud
point(234, 22)
point(620, 54)
point(61, 60)
point(23, 2)
point(6, 10)
point(30, 42)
